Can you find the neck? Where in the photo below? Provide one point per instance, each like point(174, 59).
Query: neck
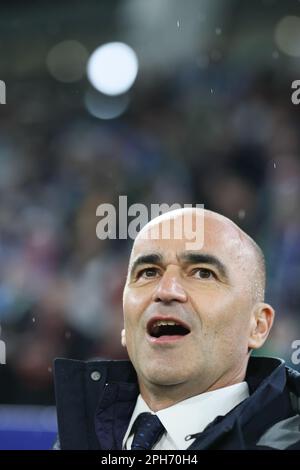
point(160, 396)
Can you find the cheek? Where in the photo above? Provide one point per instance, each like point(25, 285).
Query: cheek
point(224, 316)
point(136, 300)
point(235, 332)
point(131, 305)
point(133, 308)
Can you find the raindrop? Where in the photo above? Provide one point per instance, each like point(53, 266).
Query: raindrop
point(242, 214)
point(178, 24)
point(33, 319)
point(274, 165)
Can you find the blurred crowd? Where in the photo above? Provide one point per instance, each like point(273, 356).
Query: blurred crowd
point(202, 134)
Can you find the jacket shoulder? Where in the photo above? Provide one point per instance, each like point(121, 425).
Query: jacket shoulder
point(79, 386)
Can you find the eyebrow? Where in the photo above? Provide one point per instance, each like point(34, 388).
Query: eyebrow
point(152, 258)
point(186, 258)
point(205, 258)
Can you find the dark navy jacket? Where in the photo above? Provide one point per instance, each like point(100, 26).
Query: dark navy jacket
point(95, 401)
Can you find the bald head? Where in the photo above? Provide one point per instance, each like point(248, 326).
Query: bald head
point(259, 268)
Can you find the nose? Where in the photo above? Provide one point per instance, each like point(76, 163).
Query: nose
point(169, 289)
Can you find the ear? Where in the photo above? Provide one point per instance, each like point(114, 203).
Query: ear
point(261, 324)
point(123, 338)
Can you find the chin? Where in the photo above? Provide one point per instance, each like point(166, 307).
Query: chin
point(164, 375)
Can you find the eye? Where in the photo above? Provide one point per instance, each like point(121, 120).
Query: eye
point(204, 273)
point(147, 273)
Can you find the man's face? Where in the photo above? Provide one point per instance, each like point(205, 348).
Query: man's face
point(207, 292)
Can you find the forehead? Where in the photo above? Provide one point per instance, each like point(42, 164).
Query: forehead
point(219, 237)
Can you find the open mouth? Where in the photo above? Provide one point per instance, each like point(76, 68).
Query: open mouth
point(157, 328)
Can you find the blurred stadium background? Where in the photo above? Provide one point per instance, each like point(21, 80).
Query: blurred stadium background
point(209, 119)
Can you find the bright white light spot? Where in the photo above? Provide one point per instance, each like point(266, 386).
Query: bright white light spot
point(287, 35)
point(112, 68)
point(242, 214)
point(66, 61)
point(178, 24)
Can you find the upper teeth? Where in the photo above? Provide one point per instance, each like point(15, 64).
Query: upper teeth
point(165, 322)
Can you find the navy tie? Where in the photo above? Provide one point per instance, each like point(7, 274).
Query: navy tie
point(147, 429)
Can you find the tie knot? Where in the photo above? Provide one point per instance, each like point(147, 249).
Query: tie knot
point(147, 430)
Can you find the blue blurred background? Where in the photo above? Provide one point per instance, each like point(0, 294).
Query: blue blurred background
point(208, 119)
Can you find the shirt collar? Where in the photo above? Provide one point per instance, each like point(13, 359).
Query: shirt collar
point(192, 415)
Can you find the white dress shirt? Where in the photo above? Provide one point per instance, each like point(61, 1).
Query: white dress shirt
point(189, 416)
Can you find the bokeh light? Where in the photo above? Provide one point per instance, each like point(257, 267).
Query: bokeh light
point(66, 61)
point(287, 35)
point(112, 68)
point(105, 107)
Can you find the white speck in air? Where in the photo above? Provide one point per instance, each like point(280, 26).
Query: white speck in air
point(275, 55)
point(218, 31)
point(33, 319)
point(50, 369)
point(241, 214)
point(178, 24)
point(68, 334)
point(274, 165)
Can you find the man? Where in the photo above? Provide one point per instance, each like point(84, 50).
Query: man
point(192, 317)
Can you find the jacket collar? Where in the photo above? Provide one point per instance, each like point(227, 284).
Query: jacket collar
point(266, 378)
point(114, 413)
